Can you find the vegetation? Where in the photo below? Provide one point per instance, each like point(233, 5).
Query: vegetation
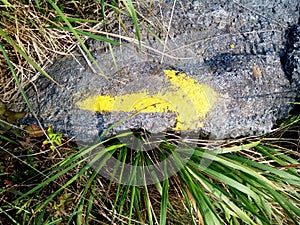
point(47, 179)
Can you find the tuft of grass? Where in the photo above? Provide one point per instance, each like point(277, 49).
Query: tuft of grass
point(250, 183)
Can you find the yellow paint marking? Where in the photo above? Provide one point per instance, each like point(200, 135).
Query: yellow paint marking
point(202, 96)
point(188, 99)
point(143, 103)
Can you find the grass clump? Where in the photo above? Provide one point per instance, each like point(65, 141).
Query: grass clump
point(251, 181)
point(243, 181)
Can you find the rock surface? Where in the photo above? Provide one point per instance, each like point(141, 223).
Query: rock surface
point(247, 51)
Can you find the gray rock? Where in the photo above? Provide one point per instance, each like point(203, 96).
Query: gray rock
point(246, 51)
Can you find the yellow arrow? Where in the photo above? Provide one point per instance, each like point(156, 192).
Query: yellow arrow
point(190, 100)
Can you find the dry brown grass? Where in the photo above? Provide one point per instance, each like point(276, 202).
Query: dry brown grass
point(32, 28)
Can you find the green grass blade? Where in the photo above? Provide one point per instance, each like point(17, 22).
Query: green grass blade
point(131, 205)
point(288, 177)
point(87, 34)
point(164, 198)
point(9, 216)
point(244, 168)
point(148, 205)
point(57, 221)
point(13, 71)
point(8, 139)
point(223, 197)
point(50, 179)
point(82, 171)
point(121, 160)
point(236, 148)
point(75, 20)
point(201, 199)
point(287, 206)
point(65, 19)
point(90, 203)
point(14, 74)
point(262, 188)
point(7, 4)
point(133, 176)
point(23, 54)
point(130, 8)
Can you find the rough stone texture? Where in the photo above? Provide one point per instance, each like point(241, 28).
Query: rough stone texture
point(292, 57)
point(248, 51)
